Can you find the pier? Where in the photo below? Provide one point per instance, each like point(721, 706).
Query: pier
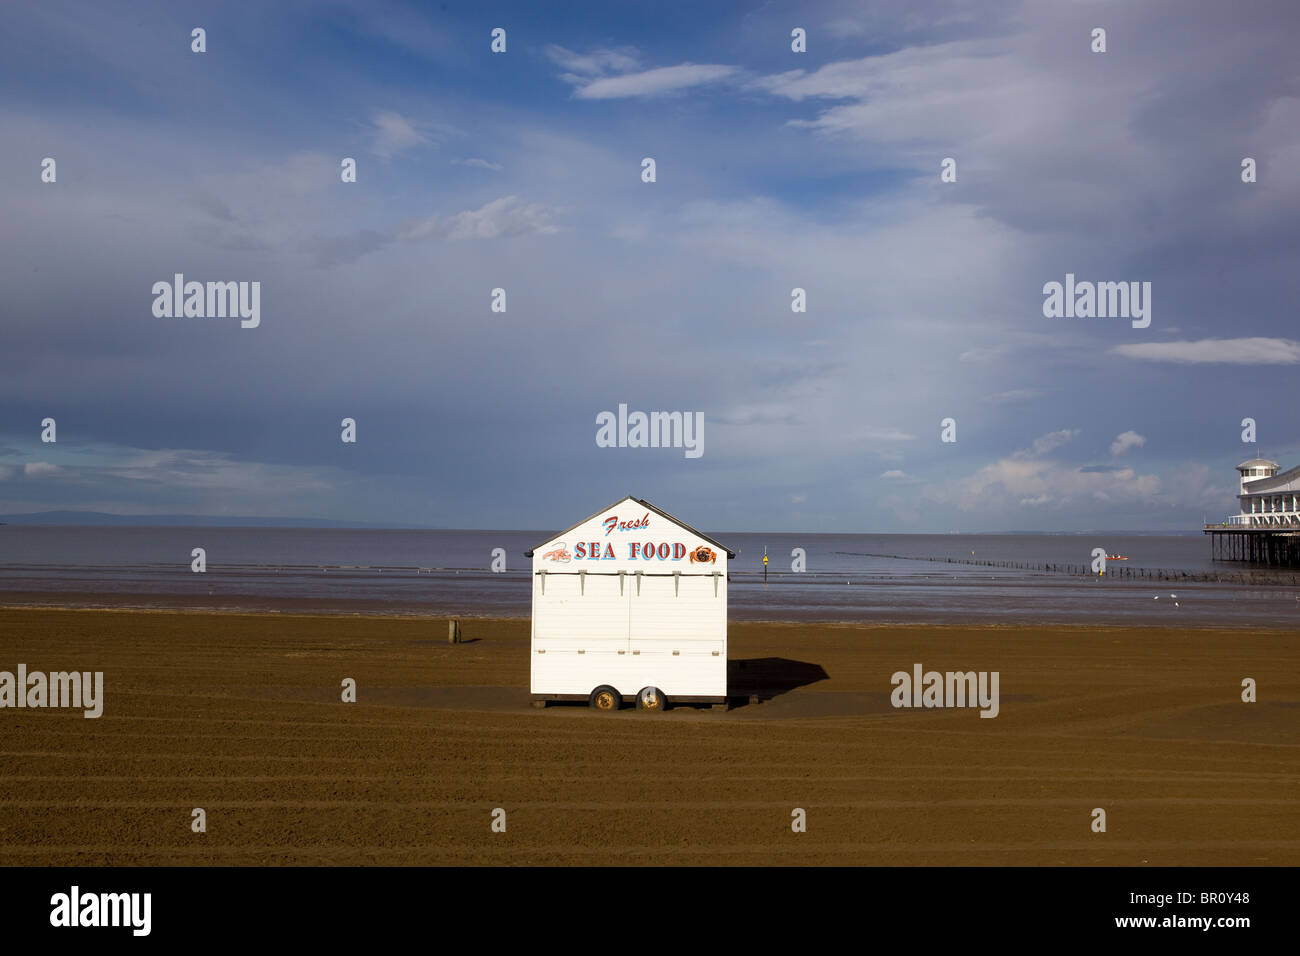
point(1235, 542)
point(1267, 529)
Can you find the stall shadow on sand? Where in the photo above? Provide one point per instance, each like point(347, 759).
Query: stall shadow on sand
point(760, 679)
point(752, 681)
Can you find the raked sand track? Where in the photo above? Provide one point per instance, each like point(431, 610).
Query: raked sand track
point(241, 715)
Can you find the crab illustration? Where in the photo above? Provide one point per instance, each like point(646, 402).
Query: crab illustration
point(560, 554)
point(703, 555)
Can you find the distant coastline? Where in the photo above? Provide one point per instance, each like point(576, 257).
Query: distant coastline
point(101, 519)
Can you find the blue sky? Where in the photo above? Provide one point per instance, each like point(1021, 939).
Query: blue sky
point(775, 170)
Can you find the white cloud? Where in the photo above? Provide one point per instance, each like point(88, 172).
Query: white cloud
point(1012, 396)
point(607, 74)
point(982, 354)
point(665, 79)
point(883, 434)
point(950, 84)
point(478, 163)
point(1022, 482)
point(618, 60)
point(1017, 483)
point(393, 133)
point(893, 473)
point(1250, 351)
point(764, 414)
point(507, 216)
point(1046, 444)
point(37, 469)
point(1012, 98)
point(1129, 439)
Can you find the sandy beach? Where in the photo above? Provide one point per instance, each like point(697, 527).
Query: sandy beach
point(241, 715)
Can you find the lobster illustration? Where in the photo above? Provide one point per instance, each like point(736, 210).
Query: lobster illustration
point(560, 554)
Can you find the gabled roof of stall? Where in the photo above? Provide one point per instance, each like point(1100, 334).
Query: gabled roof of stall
point(663, 514)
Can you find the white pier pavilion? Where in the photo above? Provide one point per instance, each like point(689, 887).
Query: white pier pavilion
point(1268, 499)
point(1267, 530)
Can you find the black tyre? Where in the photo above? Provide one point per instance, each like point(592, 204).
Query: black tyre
point(605, 698)
point(651, 698)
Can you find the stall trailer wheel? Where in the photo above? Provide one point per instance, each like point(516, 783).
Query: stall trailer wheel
point(651, 698)
point(605, 698)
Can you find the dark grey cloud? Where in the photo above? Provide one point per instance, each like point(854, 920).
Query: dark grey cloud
point(924, 299)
